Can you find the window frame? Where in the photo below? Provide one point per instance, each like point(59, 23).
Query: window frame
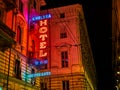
point(21, 6)
point(19, 34)
point(33, 80)
point(17, 69)
point(43, 85)
point(65, 85)
point(63, 35)
point(62, 15)
point(63, 32)
point(64, 59)
point(34, 4)
point(1, 15)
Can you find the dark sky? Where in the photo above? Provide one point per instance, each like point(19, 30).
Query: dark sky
point(98, 19)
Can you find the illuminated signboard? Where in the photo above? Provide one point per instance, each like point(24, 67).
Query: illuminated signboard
point(41, 62)
point(42, 41)
point(43, 31)
point(38, 74)
point(46, 16)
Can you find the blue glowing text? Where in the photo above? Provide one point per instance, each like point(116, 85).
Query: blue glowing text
point(46, 16)
point(41, 62)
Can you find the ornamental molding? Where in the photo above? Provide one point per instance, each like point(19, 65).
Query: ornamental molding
point(21, 21)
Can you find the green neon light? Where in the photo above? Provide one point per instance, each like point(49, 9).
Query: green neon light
point(39, 74)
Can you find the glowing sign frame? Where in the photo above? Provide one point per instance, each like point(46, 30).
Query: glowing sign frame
point(43, 30)
point(38, 74)
point(42, 37)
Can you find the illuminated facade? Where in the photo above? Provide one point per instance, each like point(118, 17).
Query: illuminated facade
point(14, 67)
point(116, 42)
point(44, 50)
point(59, 50)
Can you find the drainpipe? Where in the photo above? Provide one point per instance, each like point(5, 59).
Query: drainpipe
point(10, 53)
point(8, 69)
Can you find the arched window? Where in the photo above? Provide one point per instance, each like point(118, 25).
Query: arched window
point(19, 34)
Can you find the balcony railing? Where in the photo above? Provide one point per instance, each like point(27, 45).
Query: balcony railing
point(7, 30)
point(6, 36)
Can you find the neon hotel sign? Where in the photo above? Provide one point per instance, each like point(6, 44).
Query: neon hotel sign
point(43, 36)
point(43, 30)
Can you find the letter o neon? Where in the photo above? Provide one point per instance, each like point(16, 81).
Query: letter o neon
point(43, 30)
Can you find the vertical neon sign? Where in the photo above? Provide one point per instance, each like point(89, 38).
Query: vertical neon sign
point(41, 40)
point(43, 36)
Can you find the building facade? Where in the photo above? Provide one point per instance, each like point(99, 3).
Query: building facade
point(44, 50)
point(116, 42)
point(59, 50)
point(14, 67)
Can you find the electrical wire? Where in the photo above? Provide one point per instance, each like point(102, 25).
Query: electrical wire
point(69, 32)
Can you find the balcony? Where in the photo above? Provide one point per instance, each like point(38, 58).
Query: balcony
point(6, 37)
point(10, 4)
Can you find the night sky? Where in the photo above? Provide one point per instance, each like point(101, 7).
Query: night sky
point(99, 24)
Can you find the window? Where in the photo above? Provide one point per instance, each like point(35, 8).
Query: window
point(34, 4)
point(19, 34)
point(31, 54)
point(63, 33)
point(64, 57)
point(17, 69)
point(43, 85)
point(0, 14)
point(33, 47)
point(31, 27)
point(62, 15)
point(21, 6)
point(32, 79)
point(65, 85)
